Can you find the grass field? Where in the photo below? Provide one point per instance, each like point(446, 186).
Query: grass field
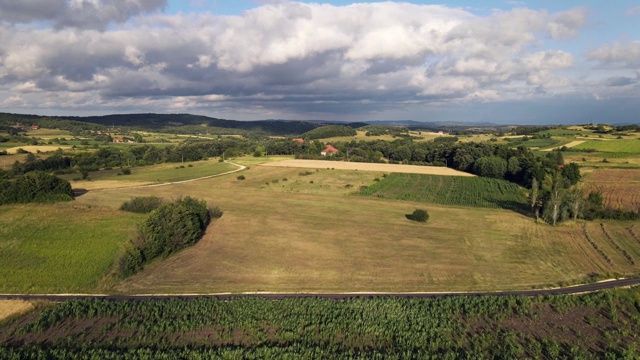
point(295, 235)
point(161, 173)
point(9, 308)
point(450, 190)
point(297, 229)
point(615, 146)
point(60, 248)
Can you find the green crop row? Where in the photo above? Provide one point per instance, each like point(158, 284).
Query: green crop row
point(449, 190)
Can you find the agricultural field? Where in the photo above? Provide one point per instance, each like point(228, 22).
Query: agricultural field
point(602, 325)
point(450, 190)
point(620, 188)
point(60, 248)
point(153, 174)
point(341, 165)
point(629, 146)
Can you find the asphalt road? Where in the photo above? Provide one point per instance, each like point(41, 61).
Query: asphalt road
point(579, 289)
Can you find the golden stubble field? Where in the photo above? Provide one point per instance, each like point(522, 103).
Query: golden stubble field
point(287, 229)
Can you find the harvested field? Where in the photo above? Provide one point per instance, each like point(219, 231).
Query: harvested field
point(36, 148)
point(388, 168)
point(620, 188)
point(9, 308)
point(569, 145)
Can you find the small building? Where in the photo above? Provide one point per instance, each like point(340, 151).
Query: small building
point(329, 150)
point(118, 140)
point(298, 140)
point(35, 127)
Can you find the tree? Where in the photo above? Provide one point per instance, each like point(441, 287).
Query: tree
point(420, 215)
point(534, 199)
point(490, 166)
point(575, 199)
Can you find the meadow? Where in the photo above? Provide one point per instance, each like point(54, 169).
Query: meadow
point(60, 248)
point(630, 146)
point(153, 174)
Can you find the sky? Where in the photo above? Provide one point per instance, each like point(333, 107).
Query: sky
point(498, 61)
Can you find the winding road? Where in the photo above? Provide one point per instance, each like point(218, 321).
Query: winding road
point(571, 290)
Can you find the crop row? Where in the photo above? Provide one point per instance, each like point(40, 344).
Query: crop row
point(457, 326)
point(449, 190)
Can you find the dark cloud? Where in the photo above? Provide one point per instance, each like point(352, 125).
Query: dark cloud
point(85, 14)
point(619, 81)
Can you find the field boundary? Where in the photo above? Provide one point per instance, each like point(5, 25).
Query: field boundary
point(569, 290)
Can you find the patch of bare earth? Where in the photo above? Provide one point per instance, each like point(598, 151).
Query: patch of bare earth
point(389, 168)
point(10, 308)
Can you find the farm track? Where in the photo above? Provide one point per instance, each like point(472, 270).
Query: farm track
point(571, 290)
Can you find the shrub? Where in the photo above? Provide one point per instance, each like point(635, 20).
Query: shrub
point(169, 228)
point(35, 187)
point(142, 204)
point(420, 215)
point(241, 177)
point(126, 171)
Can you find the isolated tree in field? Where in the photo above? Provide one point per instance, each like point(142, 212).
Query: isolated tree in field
point(420, 215)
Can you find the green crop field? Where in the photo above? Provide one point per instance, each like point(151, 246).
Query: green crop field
point(449, 190)
point(614, 146)
point(602, 325)
point(60, 248)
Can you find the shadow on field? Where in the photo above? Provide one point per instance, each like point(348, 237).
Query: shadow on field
point(520, 208)
point(79, 192)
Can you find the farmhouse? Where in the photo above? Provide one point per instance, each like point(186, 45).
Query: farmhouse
point(329, 150)
point(35, 127)
point(118, 140)
point(298, 140)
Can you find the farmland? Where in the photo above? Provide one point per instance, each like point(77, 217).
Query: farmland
point(449, 190)
point(601, 324)
point(629, 146)
point(620, 188)
point(59, 248)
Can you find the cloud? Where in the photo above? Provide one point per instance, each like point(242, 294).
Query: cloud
point(625, 55)
point(285, 57)
point(634, 11)
point(85, 14)
point(619, 81)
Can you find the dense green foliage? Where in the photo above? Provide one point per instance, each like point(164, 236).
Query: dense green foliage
point(449, 190)
point(602, 325)
point(169, 228)
point(420, 215)
point(142, 204)
point(329, 131)
point(35, 187)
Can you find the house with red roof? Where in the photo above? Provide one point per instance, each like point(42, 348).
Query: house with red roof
point(298, 140)
point(329, 150)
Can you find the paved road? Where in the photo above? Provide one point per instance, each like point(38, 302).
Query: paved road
point(277, 296)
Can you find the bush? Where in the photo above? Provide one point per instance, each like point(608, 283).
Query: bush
point(241, 177)
point(420, 215)
point(169, 228)
point(142, 204)
point(35, 187)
